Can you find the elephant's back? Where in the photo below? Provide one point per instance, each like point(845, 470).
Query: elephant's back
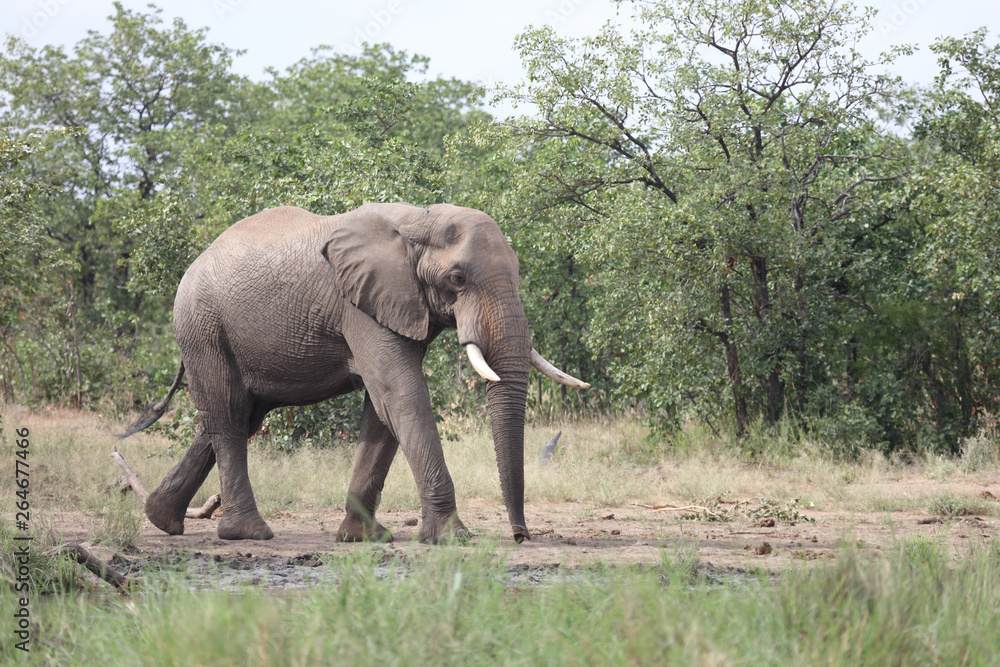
point(276, 219)
point(270, 227)
point(261, 259)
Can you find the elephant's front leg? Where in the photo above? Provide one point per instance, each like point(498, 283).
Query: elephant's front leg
point(376, 448)
point(391, 369)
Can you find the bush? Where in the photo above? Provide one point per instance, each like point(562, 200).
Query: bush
point(978, 452)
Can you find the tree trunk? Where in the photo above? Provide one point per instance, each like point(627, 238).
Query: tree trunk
point(733, 365)
point(963, 378)
point(76, 345)
point(762, 304)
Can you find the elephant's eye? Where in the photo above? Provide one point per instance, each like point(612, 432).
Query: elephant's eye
point(457, 280)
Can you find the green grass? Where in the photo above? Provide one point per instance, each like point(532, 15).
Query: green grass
point(917, 604)
point(48, 574)
point(950, 504)
point(457, 606)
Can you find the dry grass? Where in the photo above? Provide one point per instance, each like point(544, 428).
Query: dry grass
point(599, 462)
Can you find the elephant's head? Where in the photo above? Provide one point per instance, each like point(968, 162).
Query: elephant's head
point(417, 270)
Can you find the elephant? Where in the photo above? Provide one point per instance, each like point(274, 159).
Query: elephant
point(287, 307)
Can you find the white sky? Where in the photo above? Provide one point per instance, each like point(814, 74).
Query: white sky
point(466, 39)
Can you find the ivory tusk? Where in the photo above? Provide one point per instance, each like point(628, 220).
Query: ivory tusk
point(479, 362)
point(550, 371)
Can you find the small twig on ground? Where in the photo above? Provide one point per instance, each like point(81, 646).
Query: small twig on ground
point(672, 508)
point(95, 565)
point(133, 479)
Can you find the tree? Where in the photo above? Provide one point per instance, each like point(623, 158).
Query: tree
point(130, 97)
point(724, 166)
point(385, 89)
point(22, 249)
point(134, 92)
point(954, 193)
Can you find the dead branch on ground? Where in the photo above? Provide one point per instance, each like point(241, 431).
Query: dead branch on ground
point(213, 503)
point(92, 563)
point(133, 478)
point(673, 508)
point(204, 512)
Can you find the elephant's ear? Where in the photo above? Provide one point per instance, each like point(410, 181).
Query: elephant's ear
point(373, 270)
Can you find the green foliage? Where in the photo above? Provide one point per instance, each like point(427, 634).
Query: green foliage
point(954, 194)
point(182, 425)
point(114, 113)
point(721, 168)
point(952, 505)
point(333, 422)
point(756, 240)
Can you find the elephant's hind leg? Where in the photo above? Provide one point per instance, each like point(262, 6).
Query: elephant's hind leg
point(376, 449)
point(168, 503)
point(240, 518)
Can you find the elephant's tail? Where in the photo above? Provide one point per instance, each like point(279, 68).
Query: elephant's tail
point(155, 410)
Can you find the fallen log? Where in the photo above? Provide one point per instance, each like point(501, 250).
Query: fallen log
point(92, 563)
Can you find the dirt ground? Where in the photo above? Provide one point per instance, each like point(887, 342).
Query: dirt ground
point(564, 536)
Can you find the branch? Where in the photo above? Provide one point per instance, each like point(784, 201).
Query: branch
point(204, 512)
point(98, 567)
point(672, 508)
point(133, 479)
point(845, 196)
point(616, 145)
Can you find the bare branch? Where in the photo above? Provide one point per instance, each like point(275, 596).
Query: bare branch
point(98, 567)
point(133, 478)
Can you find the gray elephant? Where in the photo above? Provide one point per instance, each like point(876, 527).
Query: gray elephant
point(291, 308)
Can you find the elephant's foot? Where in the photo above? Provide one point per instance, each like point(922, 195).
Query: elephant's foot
point(356, 529)
point(246, 527)
point(521, 534)
point(437, 529)
point(165, 515)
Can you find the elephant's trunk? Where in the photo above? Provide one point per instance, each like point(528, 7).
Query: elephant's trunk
point(508, 353)
point(506, 401)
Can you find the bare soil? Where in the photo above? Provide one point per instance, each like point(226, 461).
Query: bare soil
point(564, 535)
point(736, 533)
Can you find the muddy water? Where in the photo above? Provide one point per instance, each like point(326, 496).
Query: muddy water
point(201, 571)
point(277, 574)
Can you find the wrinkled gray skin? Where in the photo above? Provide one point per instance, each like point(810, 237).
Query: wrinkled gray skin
point(291, 308)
